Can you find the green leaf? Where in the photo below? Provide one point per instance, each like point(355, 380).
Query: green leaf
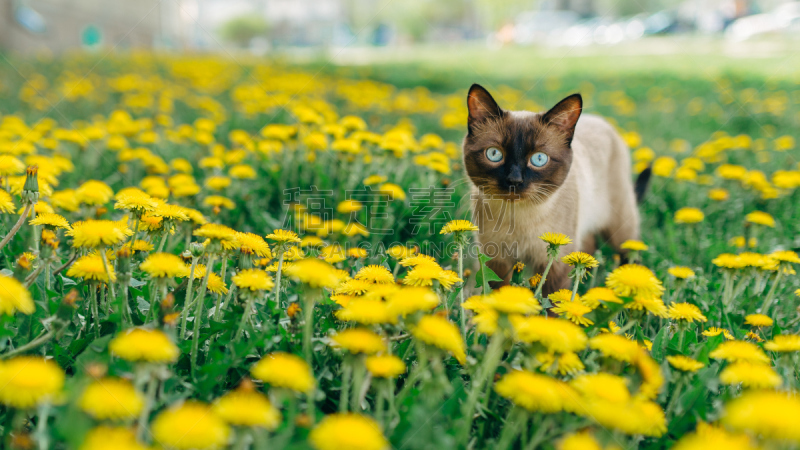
point(485, 274)
point(659, 345)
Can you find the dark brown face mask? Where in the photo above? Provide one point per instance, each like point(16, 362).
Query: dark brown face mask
point(518, 155)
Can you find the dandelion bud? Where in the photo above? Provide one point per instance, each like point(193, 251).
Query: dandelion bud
point(293, 310)
point(196, 249)
point(30, 190)
point(168, 302)
point(467, 272)
point(71, 298)
point(22, 441)
point(24, 263)
point(96, 370)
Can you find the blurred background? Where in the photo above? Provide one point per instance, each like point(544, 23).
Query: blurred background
point(362, 30)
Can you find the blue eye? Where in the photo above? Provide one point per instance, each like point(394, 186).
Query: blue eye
point(539, 159)
point(493, 154)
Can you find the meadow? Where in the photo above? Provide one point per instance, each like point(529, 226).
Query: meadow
point(200, 252)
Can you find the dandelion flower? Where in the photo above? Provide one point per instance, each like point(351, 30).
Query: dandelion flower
point(580, 259)
point(190, 425)
point(357, 253)
point(385, 366)
point(771, 414)
point(751, 375)
point(219, 201)
point(90, 267)
point(758, 320)
point(582, 440)
point(708, 436)
point(557, 335)
point(14, 296)
point(349, 206)
point(29, 380)
point(105, 437)
point(164, 265)
point(714, 331)
point(217, 232)
point(574, 312)
point(400, 252)
point(458, 226)
point(6, 202)
point(97, 233)
point(687, 312)
point(602, 386)
point(684, 363)
point(439, 332)
point(111, 399)
point(139, 344)
point(359, 340)
point(367, 312)
point(315, 273)
point(246, 407)
point(787, 256)
point(633, 280)
point(94, 192)
point(681, 272)
point(375, 274)
point(784, 343)
point(615, 346)
point(284, 370)
point(51, 220)
point(534, 392)
point(636, 246)
point(284, 236)
point(689, 215)
point(135, 200)
point(513, 300)
point(254, 280)
point(760, 218)
point(595, 295)
point(348, 431)
point(734, 351)
point(412, 299)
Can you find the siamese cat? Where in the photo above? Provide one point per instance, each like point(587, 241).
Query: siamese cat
point(558, 171)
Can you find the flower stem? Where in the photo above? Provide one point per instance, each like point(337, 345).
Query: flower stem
point(308, 328)
point(344, 393)
point(198, 316)
point(248, 308)
point(150, 397)
point(163, 241)
point(538, 293)
point(107, 268)
point(511, 427)
point(463, 312)
point(485, 371)
point(225, 303)
point(188, 301)
point(768, 301)
point(41, 426)
point(95, 310)
point(41, 339)
point(16, 226)
point(277, 278)
point(575, 287)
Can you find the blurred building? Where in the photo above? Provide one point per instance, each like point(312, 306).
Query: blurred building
point(28, 26)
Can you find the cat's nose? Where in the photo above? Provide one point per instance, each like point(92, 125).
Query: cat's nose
point(514, 177)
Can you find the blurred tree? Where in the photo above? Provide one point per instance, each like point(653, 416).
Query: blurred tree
point(241, 30)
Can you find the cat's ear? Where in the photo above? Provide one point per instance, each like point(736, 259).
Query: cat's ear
point(481, 106)
point(565, 115)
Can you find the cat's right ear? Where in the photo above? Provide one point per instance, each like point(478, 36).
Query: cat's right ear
point(481, 106)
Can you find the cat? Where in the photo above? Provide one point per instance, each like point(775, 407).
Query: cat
point(559, 171)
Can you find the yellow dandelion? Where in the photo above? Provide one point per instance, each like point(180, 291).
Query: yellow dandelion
point(218, 201)
point(750, 375)
point(14, 296)
point(111, 399)
point(375, 274)
point(439, 332)
point(708, 436)
point(400, 252)
point(6, 202)
point(348, 431)
point(786, 256)
point(686, 311)
point(105, 437)
point(385, 366)
point(574, 312)
point(97, 233)
point(410, 300)
point(771, 414)
point(242, 172)
point(139, 344)
point(633, 280)
point(50, 220)
point(284, 236)
point(580, 259)
point(714, 331)
point(254, 280)
point(636, 246)
point(758, 320)
point(135, 200)
point(28, 381)
point(246, 407)
point(359, 340)
point(557, 335)
point(534, 392)
point(615, 346)
point(760, 218)
point(555, 239)
point(734, 351)
point(349, 206)
point(164, 265)
point(458, 226)
point(684, 363)
point(688, 215)
point(595, 295)
point(315, 273)
point(190, 425)
point(217, 232)
point(94, 192)
point(90, 267)
point(366, 312)
point(582, 440)
point(357, 253)
point(217, 182)
point(784, 343)
point(682, 273)
point(284, 370)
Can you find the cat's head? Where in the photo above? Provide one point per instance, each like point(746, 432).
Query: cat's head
point(518, 155)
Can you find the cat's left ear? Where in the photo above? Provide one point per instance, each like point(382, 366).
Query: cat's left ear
point(481, 106)
point(565, 115)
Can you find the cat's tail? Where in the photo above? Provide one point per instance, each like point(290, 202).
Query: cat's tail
point(642, 181)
